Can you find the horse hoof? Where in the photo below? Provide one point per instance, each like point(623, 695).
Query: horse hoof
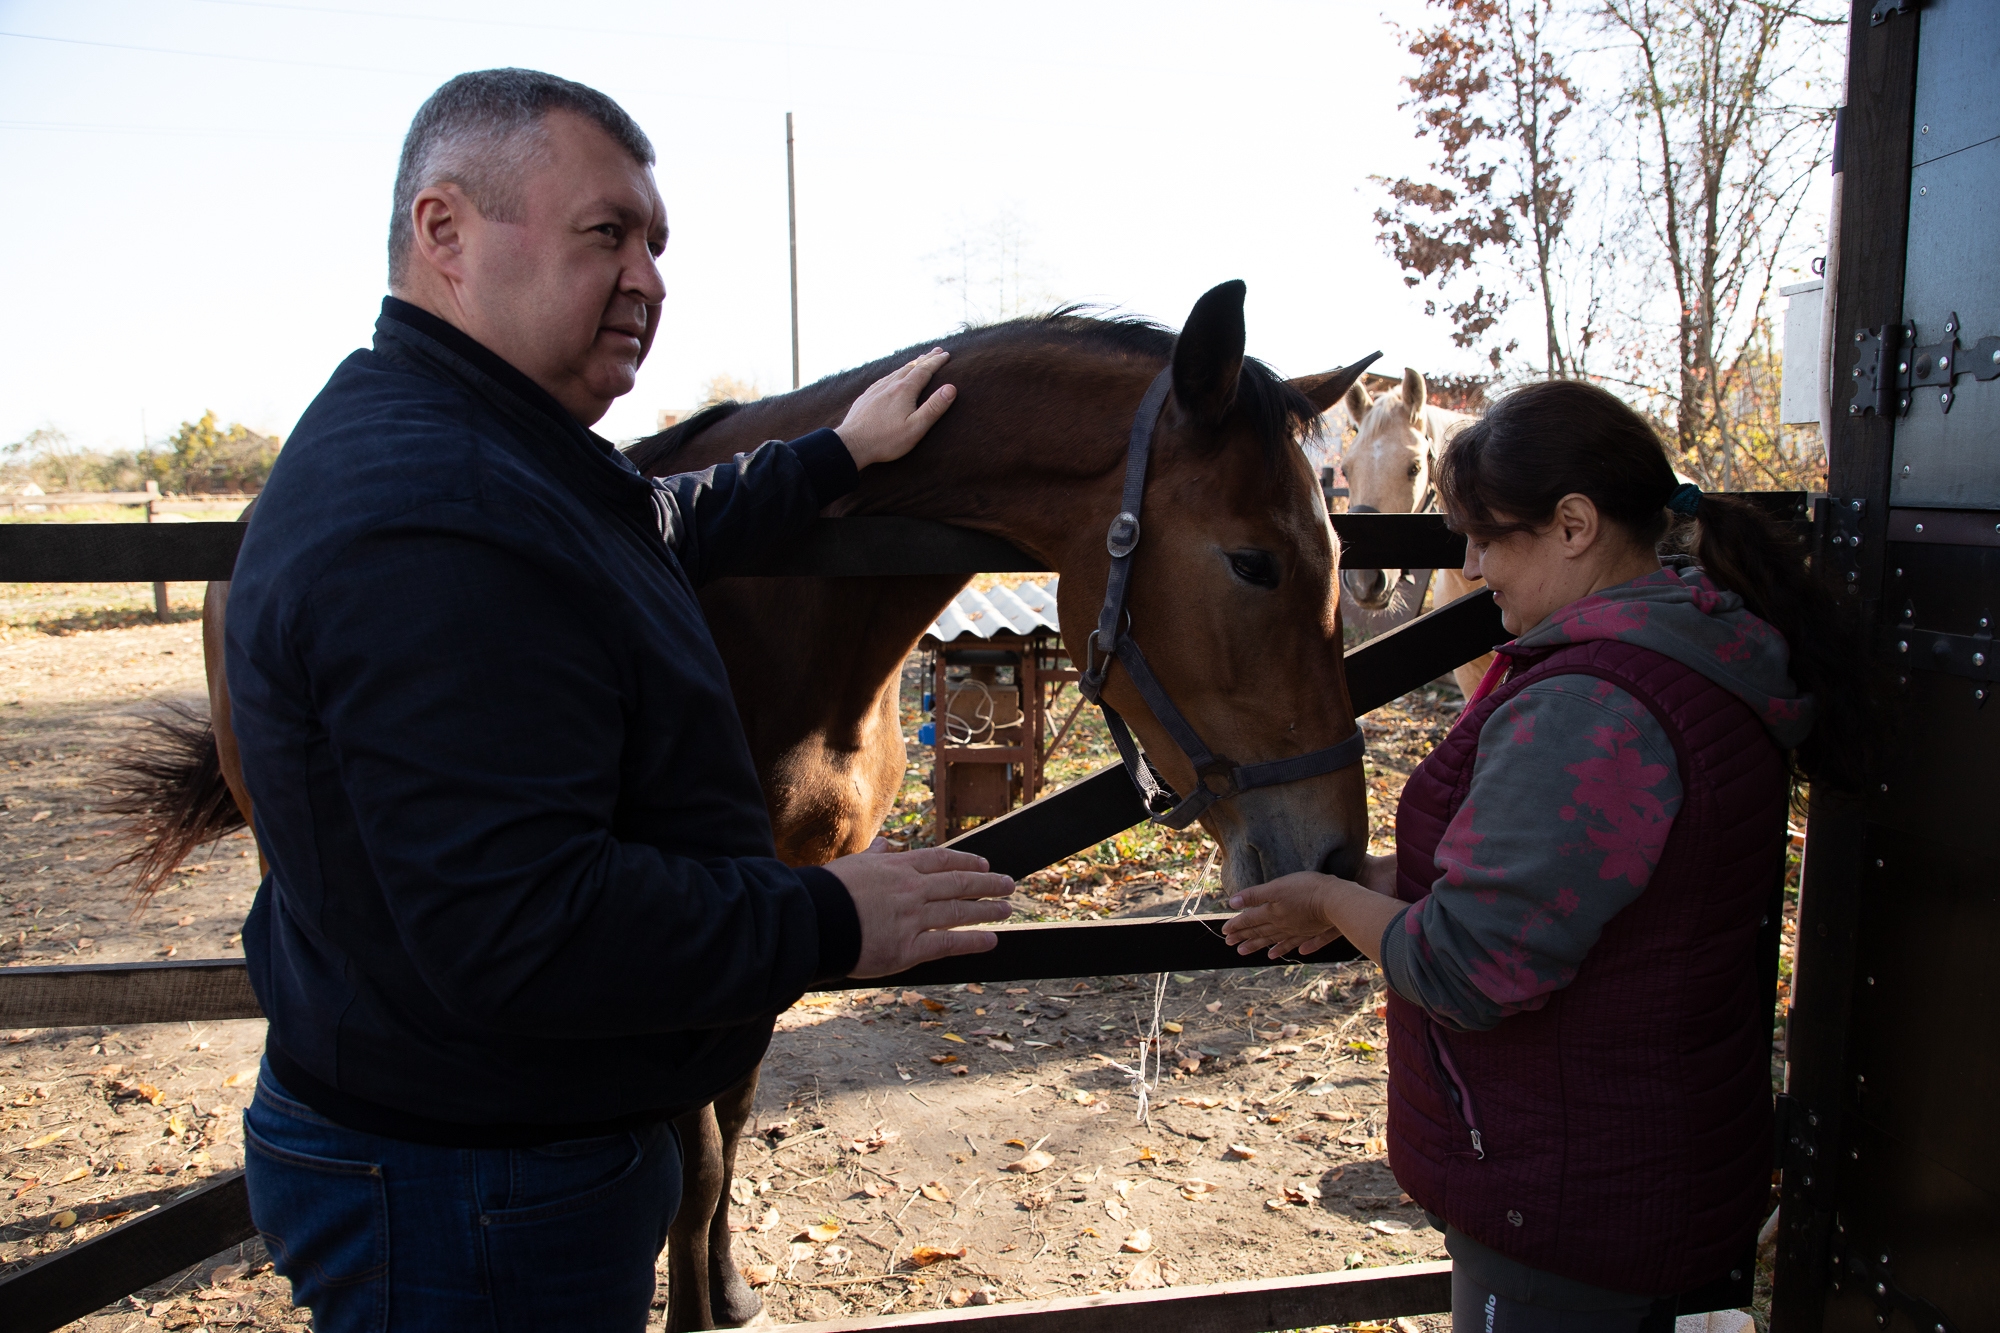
point(736, 1306)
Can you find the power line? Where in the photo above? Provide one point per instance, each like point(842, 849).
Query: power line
point(215, 55)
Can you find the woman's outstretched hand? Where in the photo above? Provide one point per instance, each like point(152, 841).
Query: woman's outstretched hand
point(886, 421)
point(1293, 914)
point(1305, 912)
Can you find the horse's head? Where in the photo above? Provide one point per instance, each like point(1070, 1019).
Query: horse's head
point(1233, 599)
point(1388, 470)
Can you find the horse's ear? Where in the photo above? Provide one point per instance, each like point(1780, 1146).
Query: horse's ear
point(1332, 386)
point(1208, 356)
point(1414, 391)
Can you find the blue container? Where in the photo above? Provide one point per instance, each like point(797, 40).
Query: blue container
point(927, 734)
point(930, 701)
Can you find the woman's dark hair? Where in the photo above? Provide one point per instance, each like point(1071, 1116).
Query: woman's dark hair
point(1507, 471)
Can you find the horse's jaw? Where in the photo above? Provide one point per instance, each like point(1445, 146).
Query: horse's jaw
point(1319, 825)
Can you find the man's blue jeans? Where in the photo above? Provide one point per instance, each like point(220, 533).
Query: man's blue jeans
point(377, 1234)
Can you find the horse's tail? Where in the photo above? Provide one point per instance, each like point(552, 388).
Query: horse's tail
point(169, 785)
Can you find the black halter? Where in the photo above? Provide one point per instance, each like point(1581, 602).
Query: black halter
point(1216, 778)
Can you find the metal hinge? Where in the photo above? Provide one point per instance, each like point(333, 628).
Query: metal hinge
point(1884, 10)
point(1887, 378)
point(1869, 1270)
point(1839, 525)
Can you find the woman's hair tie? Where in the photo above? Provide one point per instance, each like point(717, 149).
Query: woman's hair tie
point(1686, 499)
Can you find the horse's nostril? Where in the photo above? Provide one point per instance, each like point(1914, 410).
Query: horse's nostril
point(1339, 860)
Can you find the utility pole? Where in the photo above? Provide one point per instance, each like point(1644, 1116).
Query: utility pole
point(792, 209)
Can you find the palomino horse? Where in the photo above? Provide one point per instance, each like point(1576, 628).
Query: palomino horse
point(1391, 469)
point(1232, 595)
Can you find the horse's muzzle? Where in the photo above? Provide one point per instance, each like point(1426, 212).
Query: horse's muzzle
point(1367, 587)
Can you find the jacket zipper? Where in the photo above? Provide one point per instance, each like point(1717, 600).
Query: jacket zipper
point(1461, 1096)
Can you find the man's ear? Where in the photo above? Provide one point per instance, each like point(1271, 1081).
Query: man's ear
point(437, 228)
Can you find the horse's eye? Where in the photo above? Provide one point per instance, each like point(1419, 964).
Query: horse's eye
point(1416, 469)
point(1255, 567)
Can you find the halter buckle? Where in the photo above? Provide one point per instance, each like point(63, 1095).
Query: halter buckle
point(1123, 537)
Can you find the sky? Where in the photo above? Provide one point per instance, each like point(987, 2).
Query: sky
point(197, 191)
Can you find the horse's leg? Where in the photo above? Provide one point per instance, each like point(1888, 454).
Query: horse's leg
point(702, 1186)
point(731, 1303)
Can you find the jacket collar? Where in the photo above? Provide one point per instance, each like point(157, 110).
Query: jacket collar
point(583, 460)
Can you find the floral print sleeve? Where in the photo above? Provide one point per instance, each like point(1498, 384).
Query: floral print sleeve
point(1574, 788)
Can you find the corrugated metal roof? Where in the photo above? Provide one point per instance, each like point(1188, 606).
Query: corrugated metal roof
point(1027, 609)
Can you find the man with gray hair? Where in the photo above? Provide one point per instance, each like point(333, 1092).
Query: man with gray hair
point(523, 906)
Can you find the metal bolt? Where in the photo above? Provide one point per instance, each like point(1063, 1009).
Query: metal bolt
point(1808, 1182)
point(1855, 540)
point(1813, 1119)
point(1923, 189)
point(1906, 466)
point(1996, 356)
point(1859, 334)
point(1902, 645)
point(1735, 1275)
point(1878, 863)
point(1944, 399)
point(1979, 696)
point(1944, 362)
point(1950, 326)
point(1885, 1259)
point(1982, 622)
point(1906, 402)
point(1854, 409)
point(1871, 981)
point(1861, 1078)
point(1920, 527)
point(1902, 368)
point(1854, 1154)
point(1855, 505)
point(1927, 129)
point(1885, 786)
point(1979, 659)
point(1857, 372)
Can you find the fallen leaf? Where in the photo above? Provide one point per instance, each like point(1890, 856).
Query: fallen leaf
point(1086, 1177)
point(948, 1058)
point(769, 1221)
point(1140, 1241)
point(1276, 1205)
point(1017, 990)
point(1145, 1155)
point(999, 1045)
point(1084, 1098)
point(822, 1232)
point(1196, 1190)
point(835, 1256)
point(240, 1077)
point(975, 988)
point(1213, 1006)
point(926, 1255)
point(176, 1126)
point(44, 1141)
point(1387, 1227)
point(37, 818)
point(953, 1036)
point(960, 1069)
point(816, 1001)
point(1357, 1260)
point(934, 1006)
point(77, 1174)
point(874, 1142)
point(1030, 1163)
point(801, 1250)
point(910, 997)
point(1375, 1147)
point(1204, 1103)
point(1122, 1188)
point(1172, 1027)
point(936, 1192)
point(1332, 1115)
point(960, 1297)
point(1190, 1064)
point(881, 1189)
point(759, 1275)
point(227, 1272)
point(1240, 1152)
point(1116, 1211)
point(1303, 1192)
point(64, 1219)
point(1038, 1199)
point(1145, 1276)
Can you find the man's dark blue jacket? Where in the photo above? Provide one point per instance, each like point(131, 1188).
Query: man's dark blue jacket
point(522, 882)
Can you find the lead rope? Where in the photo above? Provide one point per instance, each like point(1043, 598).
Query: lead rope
point(1143, 1086)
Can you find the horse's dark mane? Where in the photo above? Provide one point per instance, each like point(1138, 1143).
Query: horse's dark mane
point(1280, 415)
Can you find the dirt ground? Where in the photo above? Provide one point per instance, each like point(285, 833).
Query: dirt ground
point(912, 1150)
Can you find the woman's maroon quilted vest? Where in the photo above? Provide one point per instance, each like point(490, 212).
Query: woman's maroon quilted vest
point(1621, 1134)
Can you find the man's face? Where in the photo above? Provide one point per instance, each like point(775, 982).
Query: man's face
point(569, 294)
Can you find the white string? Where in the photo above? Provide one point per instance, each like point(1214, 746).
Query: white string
point(1142, 1086)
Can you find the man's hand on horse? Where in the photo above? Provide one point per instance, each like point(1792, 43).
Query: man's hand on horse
point(886, 421)
point(911, 903)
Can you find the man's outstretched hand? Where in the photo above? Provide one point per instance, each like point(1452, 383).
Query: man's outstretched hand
point(886, 422)
point(910, 902)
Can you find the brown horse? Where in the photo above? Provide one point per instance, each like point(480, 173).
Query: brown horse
point(1233, 599)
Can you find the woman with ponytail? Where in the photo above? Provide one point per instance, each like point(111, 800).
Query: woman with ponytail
point(1579, 1043)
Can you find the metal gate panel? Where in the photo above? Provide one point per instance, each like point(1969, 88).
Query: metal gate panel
point(1952, 458)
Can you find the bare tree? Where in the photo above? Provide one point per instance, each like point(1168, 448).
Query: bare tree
point(993, 270)
point(1724, 137)
point(1492, 87)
